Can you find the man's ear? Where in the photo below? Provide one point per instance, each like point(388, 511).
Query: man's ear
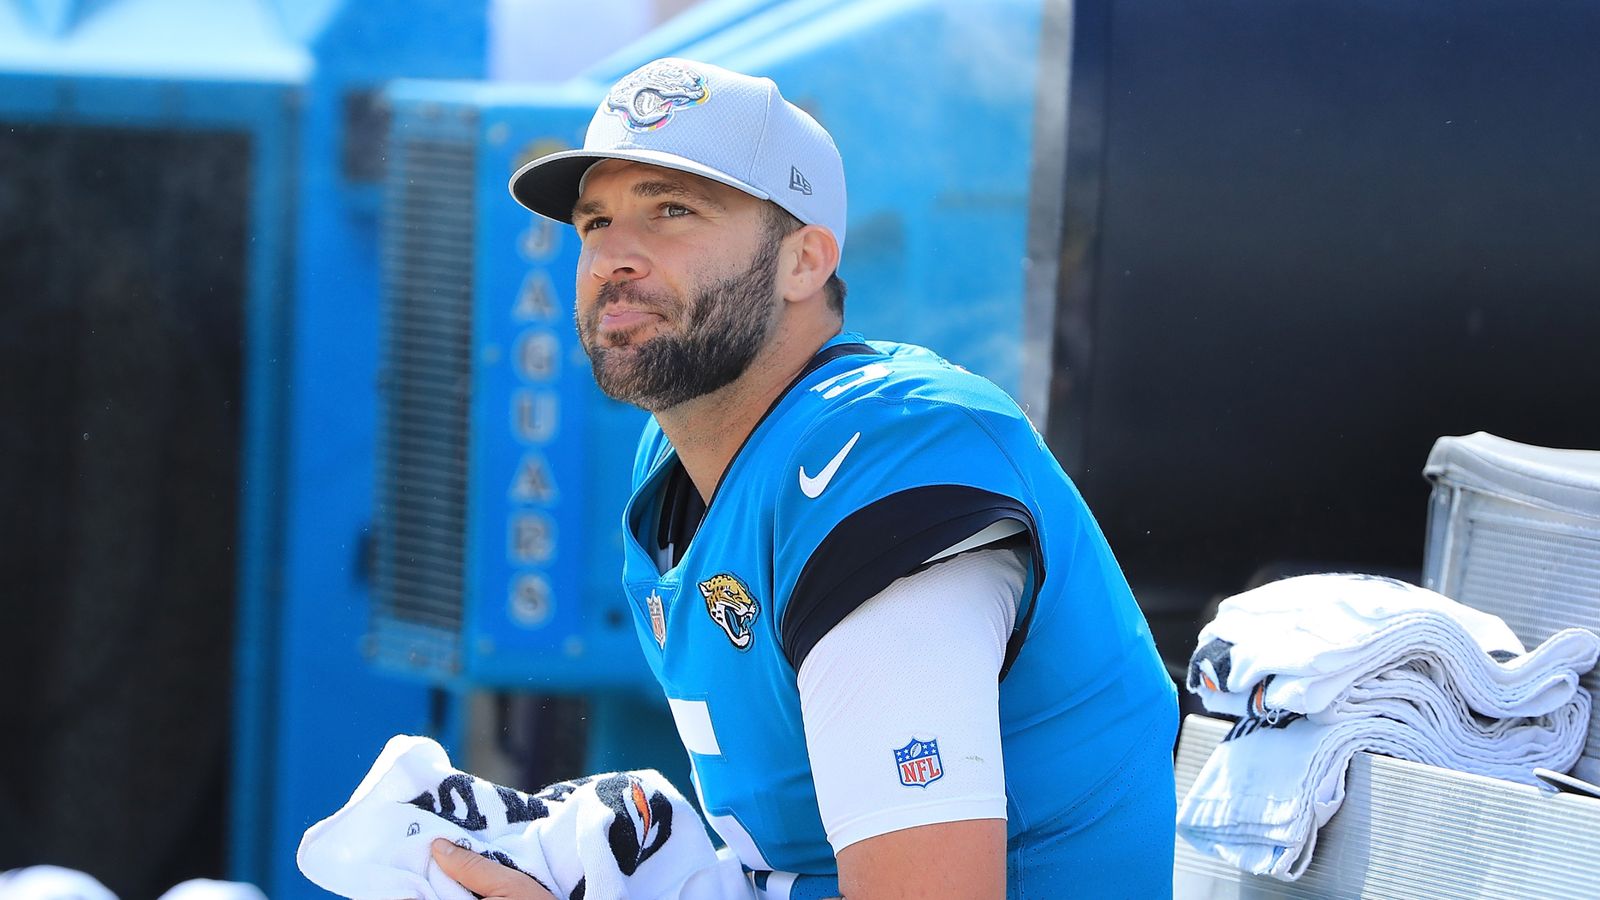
point(810, 255)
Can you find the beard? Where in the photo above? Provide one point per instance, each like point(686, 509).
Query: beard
point(727, 325)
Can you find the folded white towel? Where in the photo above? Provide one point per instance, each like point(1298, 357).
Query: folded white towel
point(1298, 645)
point(1324, 666)
point(1260, 798)
point(1417, 695)
point(617, 835)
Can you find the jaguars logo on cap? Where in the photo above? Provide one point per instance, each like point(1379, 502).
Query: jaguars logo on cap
point(647, 99)
point(731, 607)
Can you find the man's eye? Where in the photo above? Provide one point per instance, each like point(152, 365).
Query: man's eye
point(589, 225)
point(676, 210)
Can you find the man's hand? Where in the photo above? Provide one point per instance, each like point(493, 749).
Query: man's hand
point(484, 876)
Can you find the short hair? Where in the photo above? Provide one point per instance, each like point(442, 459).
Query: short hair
point(780, 224)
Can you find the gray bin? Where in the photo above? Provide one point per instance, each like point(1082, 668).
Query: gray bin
point(1514, 530)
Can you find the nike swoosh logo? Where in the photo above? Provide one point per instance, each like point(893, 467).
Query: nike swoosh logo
point(813, 487)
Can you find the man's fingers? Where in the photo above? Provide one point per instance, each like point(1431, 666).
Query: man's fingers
point(486, 877)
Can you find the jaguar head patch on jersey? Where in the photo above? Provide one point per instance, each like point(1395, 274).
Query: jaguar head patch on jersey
point(731, 607)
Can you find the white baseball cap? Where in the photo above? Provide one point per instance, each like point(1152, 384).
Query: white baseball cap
point(703, 119)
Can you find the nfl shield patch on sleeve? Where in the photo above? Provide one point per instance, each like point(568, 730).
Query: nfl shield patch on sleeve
point(919, 763)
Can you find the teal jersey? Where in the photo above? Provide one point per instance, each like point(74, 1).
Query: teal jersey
point(879, 457)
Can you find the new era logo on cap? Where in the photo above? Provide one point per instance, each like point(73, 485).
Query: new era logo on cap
point(694, 117)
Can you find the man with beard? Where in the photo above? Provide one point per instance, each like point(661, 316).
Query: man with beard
point(897, 648)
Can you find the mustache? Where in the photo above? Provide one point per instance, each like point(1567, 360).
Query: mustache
point(619, 291)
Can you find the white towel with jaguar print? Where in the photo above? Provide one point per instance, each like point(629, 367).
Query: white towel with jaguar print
point(616, 835)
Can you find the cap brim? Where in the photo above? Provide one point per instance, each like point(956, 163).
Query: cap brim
point(549, 184)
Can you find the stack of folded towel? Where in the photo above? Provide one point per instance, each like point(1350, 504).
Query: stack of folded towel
point(1321, 667)
point(617, 835)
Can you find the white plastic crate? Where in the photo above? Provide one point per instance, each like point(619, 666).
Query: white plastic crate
point(1514, 530)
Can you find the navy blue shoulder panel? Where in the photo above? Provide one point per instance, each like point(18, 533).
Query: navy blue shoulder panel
point(881, 542)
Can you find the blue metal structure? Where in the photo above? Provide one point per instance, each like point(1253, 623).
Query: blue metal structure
point(331, 712)
point(502, 469)
point(694, 24)
point(929, 102)
point(296, 80)
point(502, 465)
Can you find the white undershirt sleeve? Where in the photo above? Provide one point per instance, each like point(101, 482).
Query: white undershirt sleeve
point(917, 663)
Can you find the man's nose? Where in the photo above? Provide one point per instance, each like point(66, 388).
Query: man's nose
point(616, 254)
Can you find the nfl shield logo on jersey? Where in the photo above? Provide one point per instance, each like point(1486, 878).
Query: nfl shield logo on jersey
point(919, 763)
point(658, 619)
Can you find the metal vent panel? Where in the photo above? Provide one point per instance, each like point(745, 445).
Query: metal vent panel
point(426, 387)
point(496, 540)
